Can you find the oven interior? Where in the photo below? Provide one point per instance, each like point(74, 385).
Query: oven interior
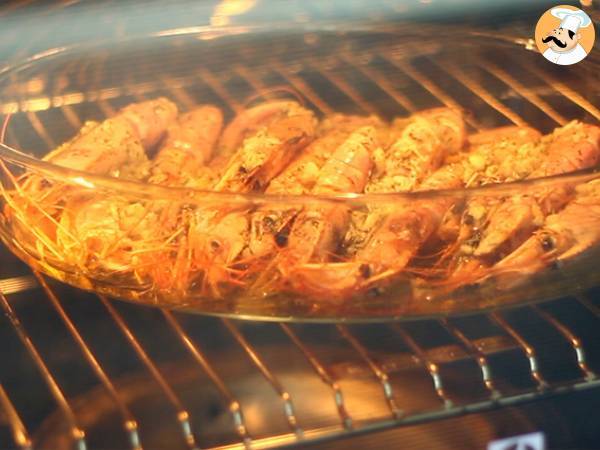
point(86, 372)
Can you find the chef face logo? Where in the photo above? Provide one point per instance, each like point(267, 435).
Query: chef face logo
point(564, 35)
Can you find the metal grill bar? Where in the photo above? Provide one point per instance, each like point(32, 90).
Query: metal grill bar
point(216, 86)
point(180, 94)
point(527, 348)
point(346, 88)
point(270, 377)
point(324, 373)
point(381, 374)
point(129, 424)
point(17, 284)
point(584, 299)
point(569, 336)
point(76, 432)
point(383, 84)
point(430, 87)
point(482, 93)
point(39, 127)
point(234, 406)
point(525, 92)
point(20, 434)
point(183, 416)
point(303, 87)
point(486, 372)
point(565, 90)
point(429, 365)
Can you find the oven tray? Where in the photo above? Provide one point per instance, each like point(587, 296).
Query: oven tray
point(358, 71)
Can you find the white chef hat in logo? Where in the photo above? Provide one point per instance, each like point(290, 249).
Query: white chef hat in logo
point(570, 19)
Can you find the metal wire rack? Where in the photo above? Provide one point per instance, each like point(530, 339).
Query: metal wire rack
point(360, 377)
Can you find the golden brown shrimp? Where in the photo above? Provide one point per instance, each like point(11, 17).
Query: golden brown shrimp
point(188, 146)
point(498, 155)
point(268, 226)
point(218, 238)
point(425, 142)
point(104, 235)
point(266, 153)
point(575, 146)
point(146, 235)
point(115, 146)
point(392, 245)
point(563, 236)
point(315, 231)
point(250, 121)
point(112, 147)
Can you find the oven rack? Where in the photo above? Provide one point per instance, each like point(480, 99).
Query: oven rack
point(558, 353)
point(509, 334)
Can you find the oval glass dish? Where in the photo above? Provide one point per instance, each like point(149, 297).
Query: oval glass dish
point(443, 248)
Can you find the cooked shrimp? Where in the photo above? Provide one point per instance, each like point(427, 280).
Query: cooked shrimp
point(575, 146)
point(188, 146)
point(217, 240)
point(424, 143)
point(248, 122)
point(266, 153)
point(158, 227)
point(112, 147)
point(392, 245)
point(109, 147)
point(315, 231)
point(269, 225)
point(497, 155)
point(563, 235)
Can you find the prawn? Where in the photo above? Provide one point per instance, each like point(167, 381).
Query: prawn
point(217, 238)
point(573, 147)
point(563, 236)
point(269, 227)
point(316, 231)
point(114, 147)
point(265, 154)
point(117, 234)
point(422, 143)
point(189, 144)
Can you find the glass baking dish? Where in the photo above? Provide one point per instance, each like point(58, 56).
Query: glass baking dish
point(388, 72)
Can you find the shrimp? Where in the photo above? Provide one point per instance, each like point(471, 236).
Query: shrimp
point(217, 238)
point(563, 236)
point(575, 146)
point(188, 146)
point(112, 147)
point(316, 231)
point(145, 236)
point(404, 230)
point(497, 155)
point(423, 142)
point(116, 146)
point(248, 122)
point(265, 154)
point(389, 249)
point(269, 227)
